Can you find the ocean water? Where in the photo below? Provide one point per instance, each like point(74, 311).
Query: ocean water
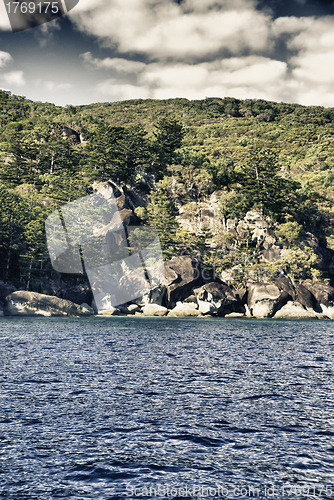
point(120, 407)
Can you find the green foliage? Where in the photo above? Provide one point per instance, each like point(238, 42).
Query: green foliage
point(117, 153)
point(264, 189)
point(160, 215)
point(301, 264)
point(289, 234)
point(276, 157)
point(169, 135)
point(232, 204)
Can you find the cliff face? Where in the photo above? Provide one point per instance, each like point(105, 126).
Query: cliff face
point(254, 243)
point(196, 216)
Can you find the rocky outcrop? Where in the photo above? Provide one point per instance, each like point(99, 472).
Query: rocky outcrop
point(154, 310)
point(196, 216)
point(295, 310)
point(265, 299)
point(185, 309)
point(154, 296)
point(327, 311)
point(323, 292)
point(70, 133)
point(304, 296)
point(112, 311)
point(285, 285)
point(182, 274)
point(213, 298)
point(24, 303)
point(76, 136)
point(78, 294)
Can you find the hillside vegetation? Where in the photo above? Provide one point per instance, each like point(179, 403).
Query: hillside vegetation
point(275, 158)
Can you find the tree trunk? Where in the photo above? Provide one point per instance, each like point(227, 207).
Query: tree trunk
point(9, 255)
point(29, 272)
point(51, 166)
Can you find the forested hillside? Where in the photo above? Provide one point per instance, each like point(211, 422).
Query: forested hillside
point(171, 156)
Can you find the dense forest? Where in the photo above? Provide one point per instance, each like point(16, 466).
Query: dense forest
point(275, 158)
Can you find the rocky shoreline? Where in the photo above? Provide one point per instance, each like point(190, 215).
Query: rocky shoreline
point(183, 294)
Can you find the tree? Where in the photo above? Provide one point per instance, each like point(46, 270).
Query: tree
point(117, 153)
point(169, 135)
point(160, 215)
point(290, 233)
point(12, 220)
point(264, 189)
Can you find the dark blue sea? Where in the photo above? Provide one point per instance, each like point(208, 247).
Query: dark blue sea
point(120, 407)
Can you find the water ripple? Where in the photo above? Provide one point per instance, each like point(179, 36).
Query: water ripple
point(102, 408)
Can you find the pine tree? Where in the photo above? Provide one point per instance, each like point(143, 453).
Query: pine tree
point(264, 189)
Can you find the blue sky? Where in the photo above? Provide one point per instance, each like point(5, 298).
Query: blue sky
point(111, 50)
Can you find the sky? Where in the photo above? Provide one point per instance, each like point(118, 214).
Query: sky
point(113, 50)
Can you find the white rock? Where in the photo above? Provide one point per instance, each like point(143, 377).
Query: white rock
point(154, 310)
point(185, 309)
point(234, 315)
point(328, 311)
point(264, 309)
point(206, 307)
point(295, 310)
point(23, 303)
point(133, 308)
point(113, 311)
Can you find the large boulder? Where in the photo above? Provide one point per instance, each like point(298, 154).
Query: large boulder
point(78, 294)
point(298, 292)
point(24, 303)
point(112, 311)
point(323, 292)
point(327, 311)
point(264, 309)
point(295, 310)
point(130, 309)
point(182, 274)
point(205, 307)
point(185, 309)
point(265, 299)
point(285, 285)
point(214, 297)
point(305, 297)
point(269, 253)
point(154, 310)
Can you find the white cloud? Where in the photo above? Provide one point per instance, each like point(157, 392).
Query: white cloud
point(116, 63)
point(312, 68)
point(14, 78)
point(164, 29)
point(5, 57)
point(240, 77)
point(49, 85)
point(316, 68)
point(198, 48)
point(119, 92)
point(246, 77)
